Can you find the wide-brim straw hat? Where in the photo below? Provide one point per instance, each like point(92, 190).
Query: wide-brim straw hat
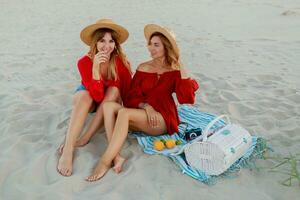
point(87, 33)
point(152, 28)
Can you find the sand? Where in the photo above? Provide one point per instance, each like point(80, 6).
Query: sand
point(244, 54)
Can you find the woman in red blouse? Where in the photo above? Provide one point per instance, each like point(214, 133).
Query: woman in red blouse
point(105, 76)
point(150, 105)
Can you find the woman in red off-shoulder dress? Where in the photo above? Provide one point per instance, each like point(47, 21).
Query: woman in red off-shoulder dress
point(150, 106)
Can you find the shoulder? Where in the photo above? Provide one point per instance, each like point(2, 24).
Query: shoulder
point(85, 59)
point(145, 67)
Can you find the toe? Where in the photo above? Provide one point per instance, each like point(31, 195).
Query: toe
point(117, 169)
point(68, 172)
point(89, 178)
point(63, 172)
point(94, 178)
point(59, 170)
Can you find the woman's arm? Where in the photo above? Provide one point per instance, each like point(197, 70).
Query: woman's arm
point(95, 87)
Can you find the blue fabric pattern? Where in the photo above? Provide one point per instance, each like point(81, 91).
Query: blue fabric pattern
point(195, 119)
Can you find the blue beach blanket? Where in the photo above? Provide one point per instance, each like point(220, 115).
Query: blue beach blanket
point(191, 118)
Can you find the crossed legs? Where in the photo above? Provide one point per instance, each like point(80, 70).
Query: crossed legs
point(112, 94)
point(83, 103)
point(118, 120)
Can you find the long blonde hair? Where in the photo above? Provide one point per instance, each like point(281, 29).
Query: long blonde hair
point(118, 51)
point(172, 57)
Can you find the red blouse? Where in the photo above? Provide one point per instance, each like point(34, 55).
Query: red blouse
point(156, 90)
point(97, 88)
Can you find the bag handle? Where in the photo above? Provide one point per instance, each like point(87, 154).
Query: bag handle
point(205, 132)
point(203, 136)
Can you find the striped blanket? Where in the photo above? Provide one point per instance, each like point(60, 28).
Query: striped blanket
point(191, 118)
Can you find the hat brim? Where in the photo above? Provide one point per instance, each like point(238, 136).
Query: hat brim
point(152, 28)
point(87, 33)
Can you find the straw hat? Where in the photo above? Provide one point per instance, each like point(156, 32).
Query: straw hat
point(152, 28)
point(87, 33)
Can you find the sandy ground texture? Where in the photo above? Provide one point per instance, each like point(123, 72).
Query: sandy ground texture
point(244, 54)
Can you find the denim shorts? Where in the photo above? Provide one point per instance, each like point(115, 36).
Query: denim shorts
point(80, 88)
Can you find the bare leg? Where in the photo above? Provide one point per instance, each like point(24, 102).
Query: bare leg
point(82, 104)
point(136, 118)
point(111, 94)
point(110, 111)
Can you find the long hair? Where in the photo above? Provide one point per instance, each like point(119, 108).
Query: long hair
point(118, 51)
point(172, 57)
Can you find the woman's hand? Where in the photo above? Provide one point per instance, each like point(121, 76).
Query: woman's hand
point(100, 58)
point(153, 116)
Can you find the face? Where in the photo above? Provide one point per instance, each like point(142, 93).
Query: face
point(106, 44)
point(156, 47)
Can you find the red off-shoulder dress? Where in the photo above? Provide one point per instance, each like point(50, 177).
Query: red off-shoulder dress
point(157, 90)
point(97, 88)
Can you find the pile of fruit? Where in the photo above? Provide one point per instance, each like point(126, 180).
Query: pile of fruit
point(160, 145)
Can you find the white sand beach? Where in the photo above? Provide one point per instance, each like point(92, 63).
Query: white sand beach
point(244, 54)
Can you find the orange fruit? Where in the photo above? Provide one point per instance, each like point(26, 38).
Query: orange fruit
point(170, 143)
point(158, 145)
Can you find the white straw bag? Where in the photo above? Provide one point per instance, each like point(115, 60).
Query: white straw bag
point(215, 154)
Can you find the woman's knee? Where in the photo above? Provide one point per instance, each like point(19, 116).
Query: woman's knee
point(124, 113)
point(109, 106)
point(82, 97)
point(112, 94)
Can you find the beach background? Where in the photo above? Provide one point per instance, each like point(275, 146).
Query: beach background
point(244, 54)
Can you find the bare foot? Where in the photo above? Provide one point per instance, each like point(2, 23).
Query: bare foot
point(65, 163)
point(118, 163)
point(98, 172)
point(79, 143)
point(82, 141)
point(60, 149)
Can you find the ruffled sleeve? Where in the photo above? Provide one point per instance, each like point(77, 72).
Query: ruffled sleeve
point(185, 90)
point(135, 95)
point(95, 87)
